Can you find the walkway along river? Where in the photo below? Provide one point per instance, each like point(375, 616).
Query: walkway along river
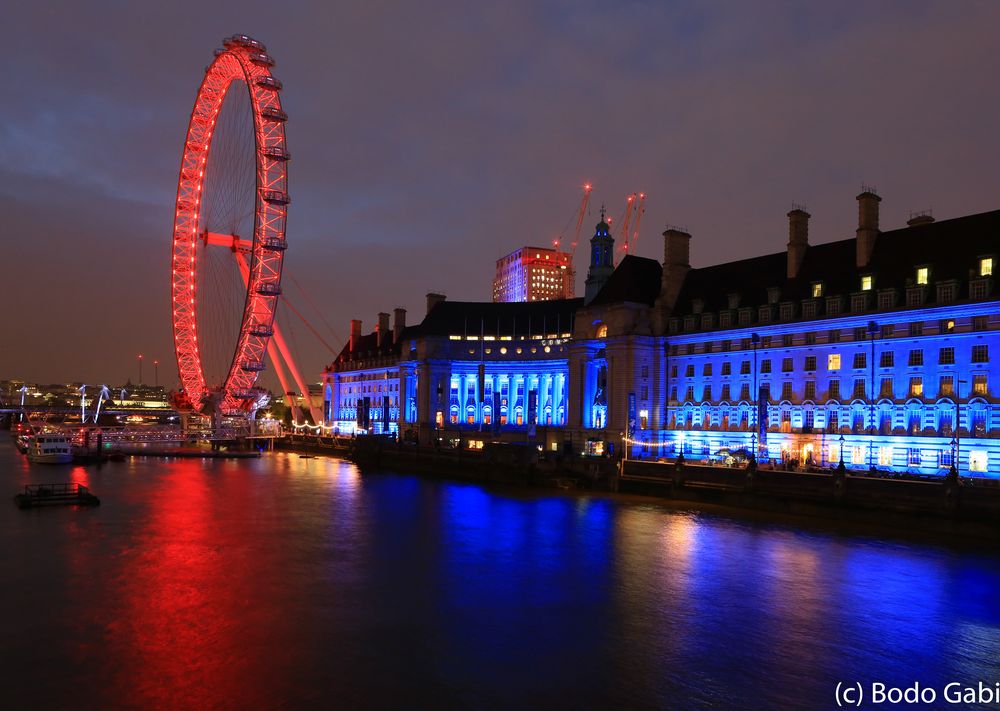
point(285, 580)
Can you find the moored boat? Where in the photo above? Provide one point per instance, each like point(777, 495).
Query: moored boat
point(49, 448)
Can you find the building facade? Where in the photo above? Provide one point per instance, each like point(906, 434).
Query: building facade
point(467, 370)
point(533, 274)
point(878, 349)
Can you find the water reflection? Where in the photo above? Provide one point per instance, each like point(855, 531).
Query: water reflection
point(289, 581)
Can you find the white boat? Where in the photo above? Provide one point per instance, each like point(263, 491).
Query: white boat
point(49, 448)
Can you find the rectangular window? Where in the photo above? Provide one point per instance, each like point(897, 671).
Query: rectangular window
point(645, 392)
point(923, 273)
point(916, 357)
point(810, 363)
point(915, 297)
point(744, 344)
point(645, 371)
point(946, 356)
point(810, 393)
point(945, 292)
point(886, 300)
point(866, 283)
point(725, 391)
point(689, 394)
point(810, 338)
point(887, 330)
point(817, 289)
point(833, 306)
point(765, 365)
point(673, 371)
point(859, 389)
point(673, 394)
point(977, 460)
point(859, 302)
point(786, 365)
point(917, 328)
point(986, 266)
point(744, 317)
point(978, 289)
point(725, 319)
point(946, 326)
point(787, 312)
point(745, 391)
point(860, 333)
point(765, 341)
point(858, 454)
point(834, 336)
point(808, 309)
point(885, 456)
point(786, 390)
point(764, 314)
point(727, 368)
point(689, 370)
point(913, 457)
point(886, 359)
point(727, 346)
point(979, 384)
point(834, 389)
point(787, 340)
point(980, 323)
point(981, 354)
point(707, 369)
point(947, 383)
point(833, 361)
point(885, 388)
point(745, 368)
point(706, 392)
point(916, 387)
point(860, 360)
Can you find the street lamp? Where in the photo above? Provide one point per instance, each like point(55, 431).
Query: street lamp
point(841, 467)
point(872, 332)
point(139, 356)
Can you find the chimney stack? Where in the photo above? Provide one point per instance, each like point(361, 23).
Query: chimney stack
point(398, 324)
point(433, 300)
point(798, 239)
point(355, 333)
point(867, 225)
point(383, 326)
point(676, 264)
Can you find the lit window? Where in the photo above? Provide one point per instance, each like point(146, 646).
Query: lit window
point(866, 283)
point(922, 274)
point(986, 266)
point(978, 460)
point(817, 290)
point(833, 361)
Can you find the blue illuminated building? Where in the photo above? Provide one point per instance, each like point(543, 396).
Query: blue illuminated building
point(468, 372)
point(878, 349)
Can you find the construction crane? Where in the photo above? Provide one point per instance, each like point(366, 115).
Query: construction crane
point(584, 202)
point(623, 234)
point(639, 210)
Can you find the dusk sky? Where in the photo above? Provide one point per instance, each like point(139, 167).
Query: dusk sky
point(428, 139)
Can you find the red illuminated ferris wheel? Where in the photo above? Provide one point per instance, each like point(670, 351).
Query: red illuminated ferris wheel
point(233, 194)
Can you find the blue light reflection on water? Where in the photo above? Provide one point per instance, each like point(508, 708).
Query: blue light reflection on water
point(299, 581)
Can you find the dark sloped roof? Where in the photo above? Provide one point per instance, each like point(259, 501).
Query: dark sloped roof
point(949, 247)
point(368, 347)
point(635, 279)
point(506, 318)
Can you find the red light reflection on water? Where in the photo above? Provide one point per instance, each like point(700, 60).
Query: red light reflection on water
point(189, 632)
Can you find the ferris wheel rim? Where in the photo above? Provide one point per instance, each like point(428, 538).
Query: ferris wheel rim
point(241, 59)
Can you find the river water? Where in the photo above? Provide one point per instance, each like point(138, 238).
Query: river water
point(292, 582)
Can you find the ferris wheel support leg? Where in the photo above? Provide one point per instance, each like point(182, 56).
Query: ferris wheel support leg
point(272, 353)
point(278, 340)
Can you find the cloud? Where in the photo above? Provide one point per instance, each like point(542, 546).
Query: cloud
point(428, 139)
